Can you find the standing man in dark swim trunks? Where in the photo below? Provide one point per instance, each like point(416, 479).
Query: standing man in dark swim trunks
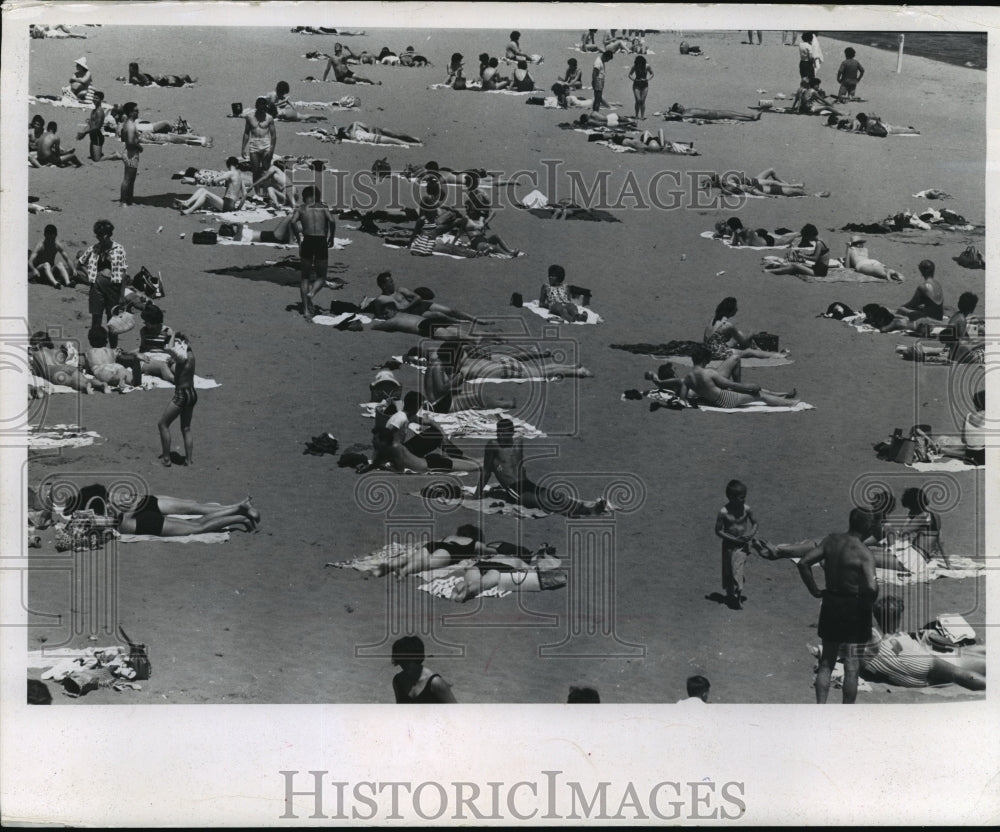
point(184, 399)
point(318, 227)
point(845, 619)
point(130, 138)
point(95, 128)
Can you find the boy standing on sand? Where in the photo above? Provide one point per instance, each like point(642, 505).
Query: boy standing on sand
point(318, 227)
point(597, 77)
point(736, 525)
point(849, 74)
point(130, 138)
point(95, 128)
point(183, 401)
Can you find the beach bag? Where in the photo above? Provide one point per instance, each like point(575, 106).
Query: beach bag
point(381, 169)
point(971, 258)
point(152, 287)
point(204, 238)
point(87, 528)
point(138, 657)
point(766, 341)
point(120, 321)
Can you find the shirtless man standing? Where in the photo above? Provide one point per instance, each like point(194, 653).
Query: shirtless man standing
point(318, 227)
point(846, 615)
point(504, 458)
point(260, 137)
point(129, 135)
point(95, 128)
point(716, 388)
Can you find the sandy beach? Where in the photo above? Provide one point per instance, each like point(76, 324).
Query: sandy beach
point(260, 619)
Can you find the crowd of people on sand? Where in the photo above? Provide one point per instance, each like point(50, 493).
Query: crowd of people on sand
point(858, 623)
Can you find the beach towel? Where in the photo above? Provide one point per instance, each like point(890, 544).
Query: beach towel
point(148, 383)
point(674, 148)
point(948, 465)
point(338, 243)
point(670, 402)
point(206, 537)
point(60, 436)
point(189, 139)
point(679, 352)
point(154, 382)
point(256, 214)
point(932, 193)
point(537, 204)
point(326, 136)
point(64, 100)
point(333, 320)
point(495, 501)
point(35, 207)
point(668, 116)
point(443, 586)
point(920, 570)
point(468, 424)
point(533, 307)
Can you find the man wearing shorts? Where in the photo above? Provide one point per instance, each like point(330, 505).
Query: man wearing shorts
point(597, 77)
point(845, 619)
point(318, 227)
point(260, 137)
point(130, 137)
point(104, 264)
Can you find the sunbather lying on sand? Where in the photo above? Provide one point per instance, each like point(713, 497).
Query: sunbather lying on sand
point(359, 132)
point(901, 659)
point(467, 542)
point(285, 232)
point(857, 258)
point(648, 142)
point(504, 459)
point(716, 388)
point(60, 365)
point(415, 303)
point(765, 183)
point(511, 574)
point(144, 79)
point(41, 30)
point(903, 220)
point(733, 230)
point(596, 119)
point(678, 111)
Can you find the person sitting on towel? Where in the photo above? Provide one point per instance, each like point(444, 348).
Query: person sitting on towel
point(926, 305)
point(716, 388)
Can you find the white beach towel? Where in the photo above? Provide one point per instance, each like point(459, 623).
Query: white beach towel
point(727, 242)
point(61, 436)
point(592, 316)
point(200, 383)
point(494, 503)
point(945, 465)
point(338, 243)
point(333, 320)
point(758, 408)
point(259, 214)
point(207, 537)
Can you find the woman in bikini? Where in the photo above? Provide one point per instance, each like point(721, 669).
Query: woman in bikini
point(358, 132)
point(415, 683)
point(765, 183)
point(677, 112)
point(818, 262)
point(475, 227)
point(639, 75)
point(723, 339)
point(467, 542)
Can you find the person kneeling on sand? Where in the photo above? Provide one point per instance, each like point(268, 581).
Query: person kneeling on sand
point(716, 388)
point(504, 459)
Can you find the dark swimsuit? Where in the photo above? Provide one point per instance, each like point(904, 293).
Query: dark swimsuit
point(845, 618)
point(640, 82)
point(148, 517)
point(185, 397)
point(426, 695)
point(820, 267)
point(313, 247)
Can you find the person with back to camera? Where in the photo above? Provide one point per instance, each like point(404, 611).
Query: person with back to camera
point(697, 691)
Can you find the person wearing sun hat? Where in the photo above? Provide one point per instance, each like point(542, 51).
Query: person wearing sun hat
point(80, 83)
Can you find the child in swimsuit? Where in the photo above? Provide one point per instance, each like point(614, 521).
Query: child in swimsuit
point(736, 525)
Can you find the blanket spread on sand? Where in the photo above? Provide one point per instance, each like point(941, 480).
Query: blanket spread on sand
point(857, 322)
point(592, 316)
point(205, 537)
point(727, 242)
point(918, 569)
point(495, 501)
point(60, 436)
point(333, 320)
point(259, 214)
point(668, 116)
point(468, 424)
point(422, 368)
point(338, 243)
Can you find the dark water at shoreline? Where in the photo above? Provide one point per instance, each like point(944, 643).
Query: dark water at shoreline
point(959, 48)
